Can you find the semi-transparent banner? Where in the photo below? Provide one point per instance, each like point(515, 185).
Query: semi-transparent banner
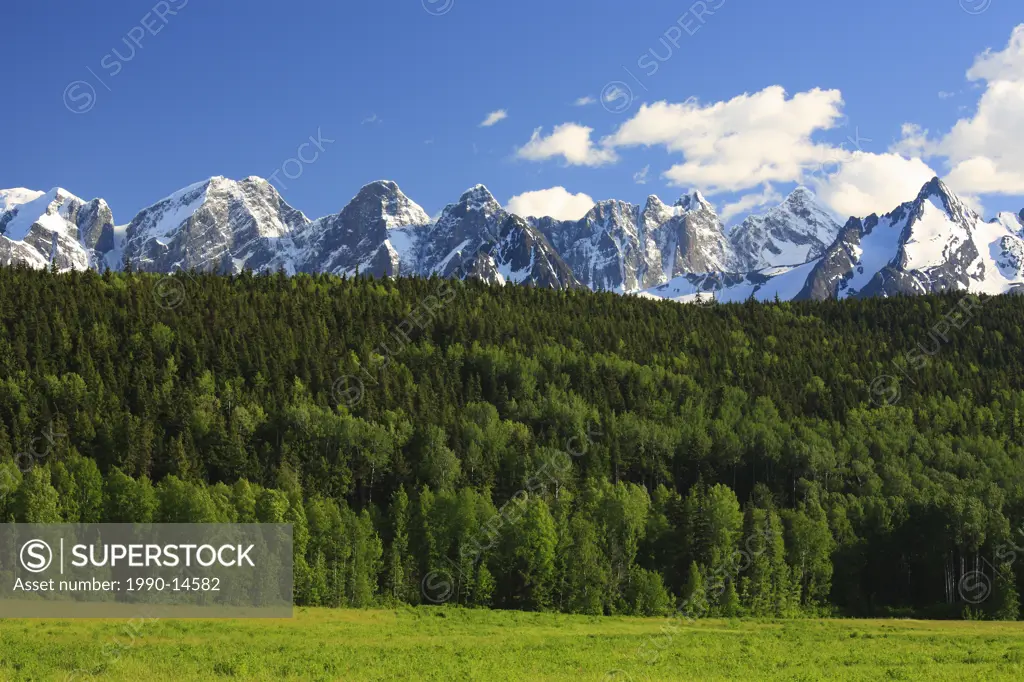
point(146, 571)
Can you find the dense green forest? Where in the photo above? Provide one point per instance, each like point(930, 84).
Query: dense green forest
point(436, 441)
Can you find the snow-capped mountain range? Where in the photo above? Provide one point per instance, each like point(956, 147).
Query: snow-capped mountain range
point(681, 251)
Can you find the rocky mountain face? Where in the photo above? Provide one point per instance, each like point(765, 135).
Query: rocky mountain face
point(227, 226)
point(522, 255)
point(931, 244)
point(219, 225)
point(476, 237)
point(373, 234)
point(604, 248)
point(795, 232)
point(53, 229)
point(464, 229)
point(694, 240)
point(622, 247)
point(934, 243)
point(680, 251)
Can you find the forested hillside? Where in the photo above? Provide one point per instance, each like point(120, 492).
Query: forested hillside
point(440, 441)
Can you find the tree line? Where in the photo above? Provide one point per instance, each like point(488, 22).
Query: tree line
point(530, 449)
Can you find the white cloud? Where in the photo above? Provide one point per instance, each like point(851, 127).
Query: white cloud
point(372, 118)
point(860, 183)
point(913, 143)
point(756, 140)
point(985, 152)
point(572, 142)
point(494, 117)
point(985, 175)
point(749, 202)
point(640, 177)
point(556, 202)
point(1006, 65)
point(738, 144)
point(946, 95)
point(585, 101)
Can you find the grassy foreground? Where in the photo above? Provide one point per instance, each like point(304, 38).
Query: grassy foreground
point(449, 644)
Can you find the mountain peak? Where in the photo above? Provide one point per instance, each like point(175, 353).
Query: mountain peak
point(934, 188)
point(477, 194)
point(62, 194)
point(953, 205)
point(226, 225)
point(694, 201)
point(379, 190)
point(800, 195)
point(380, 187)
point(793, 232)
point(654, 203)
point(383, 200)
point(9, 198)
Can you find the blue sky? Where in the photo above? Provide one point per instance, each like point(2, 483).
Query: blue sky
point(401, 87)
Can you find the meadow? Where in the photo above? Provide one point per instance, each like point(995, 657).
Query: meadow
point(464, 644)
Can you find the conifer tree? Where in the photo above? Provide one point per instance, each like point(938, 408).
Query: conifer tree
point(695, 595)
point(36, 500)
point(1007, 600)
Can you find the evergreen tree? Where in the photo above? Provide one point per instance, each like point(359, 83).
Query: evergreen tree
point(647, 595)
point(586, 570)
point(243, 499)
point(730, 607)
point(1007, 602)
point(399, 565)
point(10, 481)
point(67, 492)
point(36, 501)
point(526, 563)
point(127, 500)
point(634, 438)
point(695, 594)
point(88, 488)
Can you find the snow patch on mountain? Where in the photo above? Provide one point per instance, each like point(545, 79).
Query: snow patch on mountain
point(681, 252)
point(876, 249)
point(217, 225)
point(9, 198)
point(933, 237)
point(53, 229)
point(796, 231)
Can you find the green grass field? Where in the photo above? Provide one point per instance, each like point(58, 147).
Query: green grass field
point(450, 644)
